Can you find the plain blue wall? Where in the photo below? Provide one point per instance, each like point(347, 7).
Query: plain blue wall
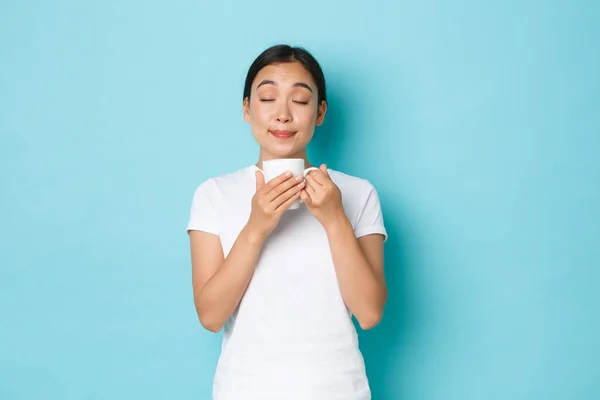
point(478, 122)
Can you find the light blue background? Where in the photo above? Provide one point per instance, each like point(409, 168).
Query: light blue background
point(478, 122)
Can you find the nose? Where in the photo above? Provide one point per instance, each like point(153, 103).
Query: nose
point(283, 113)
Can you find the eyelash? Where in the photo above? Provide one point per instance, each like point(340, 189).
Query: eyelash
point(297, 102)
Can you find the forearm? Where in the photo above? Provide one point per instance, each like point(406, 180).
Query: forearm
point(221, 294)
point(363, 293)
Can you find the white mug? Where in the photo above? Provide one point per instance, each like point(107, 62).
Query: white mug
point(273, 168)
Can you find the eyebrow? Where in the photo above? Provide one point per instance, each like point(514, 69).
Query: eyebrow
point(297, 84)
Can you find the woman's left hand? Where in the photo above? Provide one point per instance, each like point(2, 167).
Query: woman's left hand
point(322, 197)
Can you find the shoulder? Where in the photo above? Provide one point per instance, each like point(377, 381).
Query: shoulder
point(357, 192)
point(361, 204)
point(232, 177)
point(213, 187)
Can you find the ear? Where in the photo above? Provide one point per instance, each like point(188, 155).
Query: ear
point(246, 110)
point(321, 113)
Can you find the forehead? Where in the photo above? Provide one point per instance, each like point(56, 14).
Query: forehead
point(284, 74)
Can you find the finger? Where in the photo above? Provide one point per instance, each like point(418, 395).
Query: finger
point(312, 182)
point(283, 187)
point(260, 180)
point(323, 168)
point(291, 191)
point(305, 198)
point(312, 188)
point(311, 191)
point(285, 205)
point(276, 181)
point(314, 179)
point(321, 177)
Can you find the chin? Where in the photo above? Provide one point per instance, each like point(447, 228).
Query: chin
point(284, 150)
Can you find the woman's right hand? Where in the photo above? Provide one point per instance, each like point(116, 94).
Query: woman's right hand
point(271, 200)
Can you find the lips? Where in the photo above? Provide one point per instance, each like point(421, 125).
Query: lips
point(282, 134)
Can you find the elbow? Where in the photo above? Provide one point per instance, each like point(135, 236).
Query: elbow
point(208, 319)
point(210, 324)
point(212, 328)
point(371, 320)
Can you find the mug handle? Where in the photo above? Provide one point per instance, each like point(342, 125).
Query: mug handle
point(307, 170)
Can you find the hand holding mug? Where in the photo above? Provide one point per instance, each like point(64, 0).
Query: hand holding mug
point(322, 197)
point(273, 168)
point(272, 199)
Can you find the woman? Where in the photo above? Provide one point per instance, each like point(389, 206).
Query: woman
point(285, 284)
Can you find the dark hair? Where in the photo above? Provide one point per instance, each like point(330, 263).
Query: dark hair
point(283, 53)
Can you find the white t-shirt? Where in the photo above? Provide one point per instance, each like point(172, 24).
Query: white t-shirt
point(292, 336)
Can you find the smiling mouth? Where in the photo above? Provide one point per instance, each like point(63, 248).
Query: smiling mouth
point(282, 134)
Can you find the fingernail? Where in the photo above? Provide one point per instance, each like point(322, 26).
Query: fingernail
point(288, 174)
point(301, 184)
point(298, 178)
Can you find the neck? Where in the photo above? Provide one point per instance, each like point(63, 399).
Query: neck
point(264, 155)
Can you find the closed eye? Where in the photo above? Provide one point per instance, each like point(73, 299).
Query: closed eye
point(266, 100)
point(301, 102)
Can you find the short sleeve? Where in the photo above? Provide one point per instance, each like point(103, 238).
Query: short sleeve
point(203, 212)
point(370, 218)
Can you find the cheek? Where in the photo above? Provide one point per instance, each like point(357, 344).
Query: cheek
point(260, 113)
point(307, 115)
